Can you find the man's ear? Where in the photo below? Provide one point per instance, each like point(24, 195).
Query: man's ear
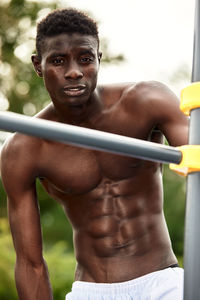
point(37, 65)
point(99, 56)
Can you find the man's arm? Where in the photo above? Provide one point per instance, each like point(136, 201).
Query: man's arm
point(161, 108)
point(171, 120)
point(18, 175)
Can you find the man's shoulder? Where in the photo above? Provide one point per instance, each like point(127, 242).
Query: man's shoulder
point(19, 147)
point(146, 89)
point(25, 150)
point(18, 158)
point(147, 99)
point(149, 93)
point(136, 89)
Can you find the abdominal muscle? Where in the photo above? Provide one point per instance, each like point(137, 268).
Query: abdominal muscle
point(116, 213)
point(121, 236)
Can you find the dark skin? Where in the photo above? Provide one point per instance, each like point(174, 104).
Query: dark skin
point(114, 203)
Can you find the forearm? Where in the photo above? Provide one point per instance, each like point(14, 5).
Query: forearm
point(32, 282)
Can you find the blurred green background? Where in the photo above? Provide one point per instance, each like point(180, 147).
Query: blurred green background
point(26, 95)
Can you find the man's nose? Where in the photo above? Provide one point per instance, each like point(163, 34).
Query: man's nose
point(73, 72)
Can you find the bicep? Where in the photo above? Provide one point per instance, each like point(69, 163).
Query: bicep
point(176, 133)
point(170, 120)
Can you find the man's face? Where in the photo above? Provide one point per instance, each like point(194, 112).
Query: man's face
point(69, 68)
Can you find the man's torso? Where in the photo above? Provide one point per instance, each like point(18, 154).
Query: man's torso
point(114, 203)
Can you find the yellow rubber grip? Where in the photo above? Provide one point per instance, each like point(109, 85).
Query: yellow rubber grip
point(190, 160)
point(190, 98)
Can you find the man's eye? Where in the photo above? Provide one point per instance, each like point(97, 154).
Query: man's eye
point(86, 59)
point(58, 61)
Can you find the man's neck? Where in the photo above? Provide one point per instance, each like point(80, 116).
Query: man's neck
point(76, 115)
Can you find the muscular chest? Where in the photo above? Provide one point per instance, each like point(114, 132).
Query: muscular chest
point(73, 170)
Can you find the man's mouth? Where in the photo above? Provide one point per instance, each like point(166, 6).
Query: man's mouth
point(74, 90)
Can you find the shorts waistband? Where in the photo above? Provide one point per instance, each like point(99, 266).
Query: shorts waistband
point(140, 283)
point(174, 266)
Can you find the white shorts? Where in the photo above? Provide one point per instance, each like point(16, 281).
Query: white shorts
point(166, 284)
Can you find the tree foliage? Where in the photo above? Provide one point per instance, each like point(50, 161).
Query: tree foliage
point(174, 208)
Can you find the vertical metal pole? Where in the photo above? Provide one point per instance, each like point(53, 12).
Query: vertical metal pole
point(192, 221)
point(196, 49)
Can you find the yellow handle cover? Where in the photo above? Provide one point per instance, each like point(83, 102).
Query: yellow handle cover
point(190, 160)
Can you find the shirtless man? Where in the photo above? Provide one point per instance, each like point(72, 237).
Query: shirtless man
point(114, 203)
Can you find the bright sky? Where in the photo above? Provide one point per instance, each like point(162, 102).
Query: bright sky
point(156, 36)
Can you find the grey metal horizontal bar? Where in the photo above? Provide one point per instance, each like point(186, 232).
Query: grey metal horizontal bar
point(89, 138)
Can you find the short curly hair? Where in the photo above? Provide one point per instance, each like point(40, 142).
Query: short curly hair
point(68, 21)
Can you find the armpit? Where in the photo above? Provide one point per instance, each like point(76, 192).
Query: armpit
point(156, 136)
